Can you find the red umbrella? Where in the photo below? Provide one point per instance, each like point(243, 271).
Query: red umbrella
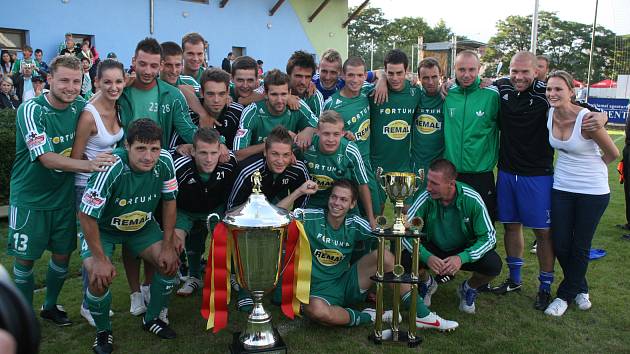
point(577, 83)
point(608, 83)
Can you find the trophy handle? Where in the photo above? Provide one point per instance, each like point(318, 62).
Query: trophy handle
point(379, 172)
point(212, 219)
point(420, 177)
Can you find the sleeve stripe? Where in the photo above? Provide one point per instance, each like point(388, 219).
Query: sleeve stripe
point(476, 254)
point(418, 203)
point(354, 151)
point(181, 162)
point(245, 115)
point(99, 185)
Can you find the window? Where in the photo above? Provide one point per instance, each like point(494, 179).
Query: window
point(78, 38)
point(239, 51)
point(12, 39)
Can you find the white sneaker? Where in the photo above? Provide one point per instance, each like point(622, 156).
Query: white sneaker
point(557, 307)
point(583, 301)
point(387, 315)
point(433, 321)
point(164, 315)
point(431, 289)
point(466, 299)
point(146, 293)
point(137, 304)
point(88, 316)
point(191, 284)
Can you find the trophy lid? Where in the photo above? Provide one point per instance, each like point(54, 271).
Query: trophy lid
point(257, 212)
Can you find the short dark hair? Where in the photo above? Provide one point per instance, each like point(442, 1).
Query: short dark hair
point(207, 135)
point(279, 134)
point(259, 62)
point(275, 77)
point(170, 49)
point(301, 59)
point(84, 58)
point(214, 75)
point(348, 184)
point(230, 53)
point(396, 56)
point(244, 63)
point(109, 64)
point(66, 61)
point(429, 62)
point(543, 57)
point(192, 38)
point(445, 166)
point(144, 130)
point(38, 51)
point(27, 48)
point(353, 61)
point(149, 45)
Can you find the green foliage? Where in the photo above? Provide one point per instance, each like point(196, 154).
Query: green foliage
point(7, 148)
point(399, 33)
point(566, 43)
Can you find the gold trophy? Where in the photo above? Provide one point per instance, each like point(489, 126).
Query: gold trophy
point(398, 186)
point(259, 230)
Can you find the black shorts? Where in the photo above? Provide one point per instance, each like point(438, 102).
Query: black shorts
point(484, 184)
point(490, 264)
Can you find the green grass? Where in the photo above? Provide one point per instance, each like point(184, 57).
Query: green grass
point(502, 323)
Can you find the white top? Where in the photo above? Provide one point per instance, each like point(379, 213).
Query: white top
point(103, 141)
point(579, 168)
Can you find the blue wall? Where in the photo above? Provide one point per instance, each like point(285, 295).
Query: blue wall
point(119, 24)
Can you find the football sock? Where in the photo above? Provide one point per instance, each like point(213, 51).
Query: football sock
point(161, 289)
point(55, 277)
point(421, 309)
point(357, 318)
point(514, 265)
point(99, 308)
point(24, 280)
point(546, 279)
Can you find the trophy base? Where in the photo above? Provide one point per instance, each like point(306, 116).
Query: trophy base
point(237, 346)
point(392, 233)
point(403, 338)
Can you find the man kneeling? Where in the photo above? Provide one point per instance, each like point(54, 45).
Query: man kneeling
point(117, 208)
point(335, 283)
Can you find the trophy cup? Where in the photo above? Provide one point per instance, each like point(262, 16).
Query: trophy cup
point(258, 230)
point(398, 186)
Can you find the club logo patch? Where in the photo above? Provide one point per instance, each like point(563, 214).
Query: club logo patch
point(363, 133)
point(34, 140)
point(323, 182)
point(241, 133)
point(92, 198)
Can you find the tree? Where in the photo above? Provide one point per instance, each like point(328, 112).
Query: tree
point(566, 43)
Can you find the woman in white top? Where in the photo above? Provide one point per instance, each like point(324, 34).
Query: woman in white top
point(580, 191)
point(98, 131)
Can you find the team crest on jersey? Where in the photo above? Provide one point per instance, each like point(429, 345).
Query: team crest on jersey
point(241, 133)
point(92, 198)
point(323, 182)
point(427, 124)
point(328, 257)
point(412, 91)
point(34, 140)
point(364, 131)
point(397, 129)
point(132, 221)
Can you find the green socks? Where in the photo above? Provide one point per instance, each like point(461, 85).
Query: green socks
point(99, 308)
point(357, 318)
point(161, 289)
point(55, 277)
point(421, 309)
point(24, 280)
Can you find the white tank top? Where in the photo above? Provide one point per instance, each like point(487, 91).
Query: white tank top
point(579, 168)
point(103, 141)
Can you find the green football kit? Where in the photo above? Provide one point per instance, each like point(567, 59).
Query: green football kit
point(428, 133)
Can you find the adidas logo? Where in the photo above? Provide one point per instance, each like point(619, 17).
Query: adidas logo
point(338, 101)
point(192, 181)
point(505, 97)
point(480, 113)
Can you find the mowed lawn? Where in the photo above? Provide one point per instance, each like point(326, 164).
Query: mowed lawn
point(502, 323)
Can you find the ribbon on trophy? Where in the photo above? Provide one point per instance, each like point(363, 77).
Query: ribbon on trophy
point(216, 289)
point(296, 278)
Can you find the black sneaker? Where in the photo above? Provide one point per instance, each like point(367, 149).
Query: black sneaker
point(543, 299)
point(159, 328)
point(104, 342)
point(507, 287)
point(484, 288)
point(623, 226)
point(56, 315)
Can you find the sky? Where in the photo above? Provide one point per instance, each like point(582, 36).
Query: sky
point(478, 22)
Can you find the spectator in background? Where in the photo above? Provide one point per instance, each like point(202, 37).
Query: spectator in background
point(8, 99)
point(542, 67)
point(38, 85)
point(86, 85)
point(6, 63)
point(85, 51)
point(93, 51)
point(70, 48)
point(260, 67)
point(112, 55)
point(226, 64)
point(27, 58)
point(23, 84)
point(41, 66)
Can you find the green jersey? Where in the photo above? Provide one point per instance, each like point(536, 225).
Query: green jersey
point(189, 81)
point(315, 103)
point(428, 133)
point(260, 90)
point(391, 123)
point(122, 200)
point(257, 122)
point(356, 116)
point(325, 169)
point(145, 103)
point(40, 129)
point(331, 249)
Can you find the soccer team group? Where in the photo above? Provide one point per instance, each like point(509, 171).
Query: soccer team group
point(143, 163)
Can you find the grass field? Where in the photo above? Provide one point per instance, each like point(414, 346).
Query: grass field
point(502, 323)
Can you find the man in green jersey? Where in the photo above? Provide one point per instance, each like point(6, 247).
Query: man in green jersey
point(337, 284)
point(150, 97)
point(459, 234)
point(117, 208)
point(352, 103)
point(258, 119)
point(427, 139)
point(391, 121)
point(194, 48)
point(332, 157)
point(42, 184)
point(300, 68)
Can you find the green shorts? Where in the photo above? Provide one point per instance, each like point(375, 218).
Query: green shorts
point(342, 291)
point(187, 220)
point(33, 231)
point(136, 242)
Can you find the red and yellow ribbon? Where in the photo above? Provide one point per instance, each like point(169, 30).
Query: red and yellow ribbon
point(296, 287)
